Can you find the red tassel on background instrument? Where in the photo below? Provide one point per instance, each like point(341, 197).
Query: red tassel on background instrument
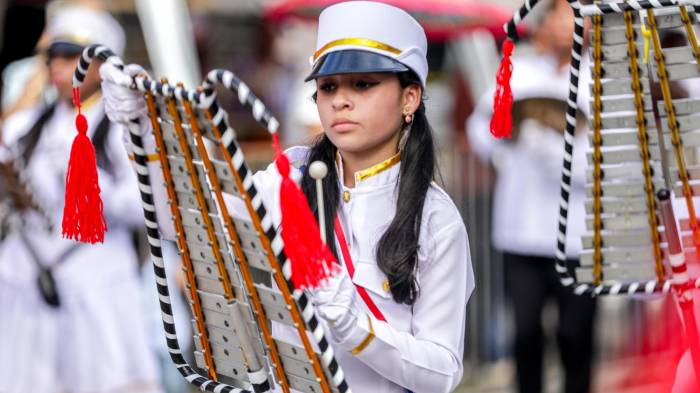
point(501, 122)
point(311, 259)
point(83, 219)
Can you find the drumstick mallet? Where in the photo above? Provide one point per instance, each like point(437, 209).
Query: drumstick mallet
point(318, 171)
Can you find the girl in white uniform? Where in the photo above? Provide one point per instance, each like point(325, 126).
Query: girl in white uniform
point(396, 313)
point(90, 337)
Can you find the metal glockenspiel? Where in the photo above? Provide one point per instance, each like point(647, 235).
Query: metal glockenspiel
point(630, 246)
point(631, 157)
point(237, 274)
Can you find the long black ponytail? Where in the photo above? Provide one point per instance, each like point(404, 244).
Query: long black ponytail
point(397, 249)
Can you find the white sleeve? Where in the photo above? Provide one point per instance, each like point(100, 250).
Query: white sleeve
point(478, 128)
point(18, 124)
point(430, 359)
point(119, 189)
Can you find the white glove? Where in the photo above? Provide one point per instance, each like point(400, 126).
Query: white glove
point(336, 303)
point(122, 103)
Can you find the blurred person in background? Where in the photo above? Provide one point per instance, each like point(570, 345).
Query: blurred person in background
point(70, 314)
point(526, 202)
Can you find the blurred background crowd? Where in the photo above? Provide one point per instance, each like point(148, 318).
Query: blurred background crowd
point(267, 43)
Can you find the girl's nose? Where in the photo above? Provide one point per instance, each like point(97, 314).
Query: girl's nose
point(341, 100)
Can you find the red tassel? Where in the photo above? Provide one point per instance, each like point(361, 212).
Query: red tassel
point(502, 122)
point(83, 219)
point(311, 259)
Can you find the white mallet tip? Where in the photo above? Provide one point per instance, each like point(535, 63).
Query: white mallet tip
point(318, 170)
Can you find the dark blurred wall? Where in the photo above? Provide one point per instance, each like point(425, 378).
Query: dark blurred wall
point(23, 23)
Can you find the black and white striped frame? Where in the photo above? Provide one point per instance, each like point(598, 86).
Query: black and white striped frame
point(153, 234)
point(580, 12)
point(231, 82)
point(207, 100)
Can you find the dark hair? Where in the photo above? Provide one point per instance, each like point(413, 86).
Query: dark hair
point(397, 249)
point(29, 141)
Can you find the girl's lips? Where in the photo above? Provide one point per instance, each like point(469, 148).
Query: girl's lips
point(343, 125)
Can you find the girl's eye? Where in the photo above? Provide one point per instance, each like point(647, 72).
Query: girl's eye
point(364, 84)
point(327, 87)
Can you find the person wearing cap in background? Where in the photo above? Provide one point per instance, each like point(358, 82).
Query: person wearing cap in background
point(396, 311)
point(526, 202)
point(70, 317)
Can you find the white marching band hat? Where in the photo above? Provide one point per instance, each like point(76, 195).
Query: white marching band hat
point(74, 27)
point(367, 36)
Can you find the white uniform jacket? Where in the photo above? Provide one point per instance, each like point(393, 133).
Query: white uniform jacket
point(420, 347)
point(95, 341)
point(527, 191)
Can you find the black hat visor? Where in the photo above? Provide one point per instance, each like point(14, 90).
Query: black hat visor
point(354, 61)
point(64, 49)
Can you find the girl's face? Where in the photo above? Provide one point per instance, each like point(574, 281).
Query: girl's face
point(61, 70)
point(362, 113)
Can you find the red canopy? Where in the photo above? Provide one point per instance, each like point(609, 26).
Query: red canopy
point(441, 19)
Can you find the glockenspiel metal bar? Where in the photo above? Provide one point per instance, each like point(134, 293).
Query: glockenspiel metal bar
point(623, 155)
point(623, 104)
point(617, 273)
point(684, 123)
point(622, 70)
point(689, 140)
point(624, 190)
point(629, 171)
point(641, 256)
point(620, 239)
point(683, 106)
point(625, 205)
point(677, 72)
point(617, 52)
point(612, 138)
point(621, 222)
point(625, 121)
point(616, 87)
point(616, 35)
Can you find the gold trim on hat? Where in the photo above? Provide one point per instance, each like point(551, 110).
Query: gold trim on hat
point(357, 42)
point(75, 38)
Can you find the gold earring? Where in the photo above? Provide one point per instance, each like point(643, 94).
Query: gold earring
point(408, 117)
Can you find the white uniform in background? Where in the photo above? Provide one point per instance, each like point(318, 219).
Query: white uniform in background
point(525, 212)
point(526, 200)
point(95, 341)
